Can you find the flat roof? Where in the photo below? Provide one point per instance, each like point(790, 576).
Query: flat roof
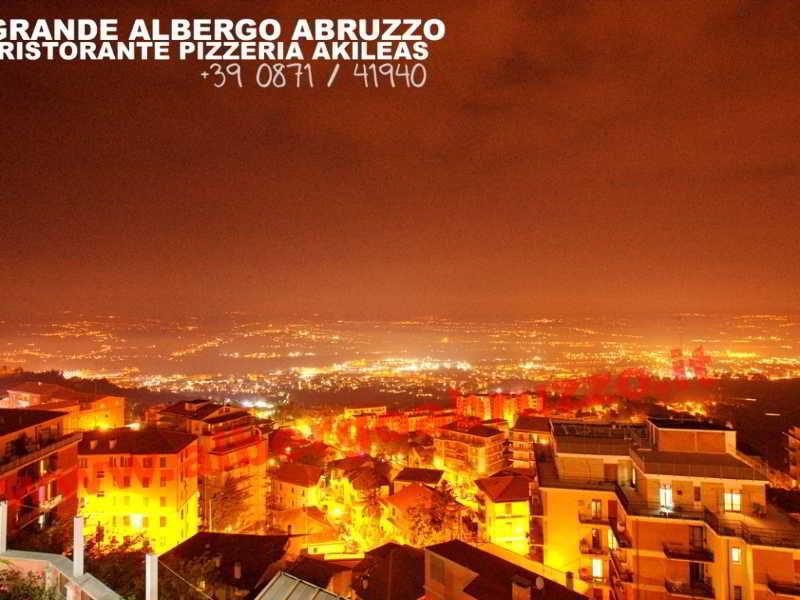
point(17, 419)
point(688, 424)
point(695, 464)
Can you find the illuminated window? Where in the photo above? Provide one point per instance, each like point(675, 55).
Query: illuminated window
point(597, 568)
point(665, 496)
point(733, 501)
point(612, 541)
point(736, 555)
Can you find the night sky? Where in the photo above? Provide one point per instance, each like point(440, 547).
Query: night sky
point(565, 157)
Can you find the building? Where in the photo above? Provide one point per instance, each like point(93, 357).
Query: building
point(38, 468)
point(469, 450)
point(350, 412)
point(139, 483)
point(232, 462)
point(241, 563)
point(793, 451)
point(390, 571)
point(497, 406)
point(663, 510)
point(335, 576)
point(84, 412)
point(528, 431)
point(504, 512)
point(430, 477)
point(456, 570)
point(295, 485)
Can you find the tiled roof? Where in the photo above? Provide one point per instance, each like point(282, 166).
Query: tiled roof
point(494, 574)
point(193, 409)
point(391, 571)
point(129, 441)
point(429, 476)
point(510, 488)
point(254, 553)
point(298, 474)
point(314, 570)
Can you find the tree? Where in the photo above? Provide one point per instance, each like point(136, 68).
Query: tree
point(15, 585)
point(120, 565)
point(228, 502)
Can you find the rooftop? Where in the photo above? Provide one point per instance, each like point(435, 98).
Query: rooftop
point(17, 419)
point(494, 574)
point(429, 476)
point(476, 430)
point(254, 554)
point(298, 474)
point(689, 424)
point(533, 423)
point(508, 488)
point(391, 571)
point(694, 464)
point(129, 441)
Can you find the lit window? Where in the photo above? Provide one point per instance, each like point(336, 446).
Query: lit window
point(733, 501)
point(665, 496)
point(736, 555)
point(597, 568)
point(509, 508)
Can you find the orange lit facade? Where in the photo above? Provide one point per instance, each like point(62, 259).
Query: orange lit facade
point(84, 412)
point(139, 483)
point(230, 446)
point(793, 451)
point(665, 510)
point(469, 450)
point(38, 468)
point(504, 513)
point(497, 406)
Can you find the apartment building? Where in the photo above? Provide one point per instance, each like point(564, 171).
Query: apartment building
point(469, 450)
point(38, 468)
point(139, 483)
point(528, 431)
point(84, 412)
point(232, 455)
point(504, 512)
point(497, 406)
point(295, 485)
point(667, 509)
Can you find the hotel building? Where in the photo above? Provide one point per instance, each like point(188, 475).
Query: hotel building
point(139, 483)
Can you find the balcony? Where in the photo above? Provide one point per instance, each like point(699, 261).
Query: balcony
point(39, 451)
point(619, 569)
point(592, 519)
point(586, 547)
point(690, 553)
point(782, 588)
point(694, 589)
point(620, 534)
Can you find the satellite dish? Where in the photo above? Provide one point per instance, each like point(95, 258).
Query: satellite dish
point(539, 582)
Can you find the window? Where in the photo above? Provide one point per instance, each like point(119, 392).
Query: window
point(597, 568)
point(163, 501)
point(665, 496)
point(83, 463)
point(612, 540)
point(509, 508)
point(162, 462)
point(126, 481)
point(736, 555)
point(126, 521)
point(147, 462)
point(101, 494)
point(697, 496)
point(437, 568)
point(633, 477)
point(737, 592)
point(162, 521)
point(145, 482)
point(101, 474)
point(597, 509)
point(733, 501)
point(163, 481)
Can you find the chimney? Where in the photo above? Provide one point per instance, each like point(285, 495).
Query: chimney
point(77, 546)
point(3, 526)
point(520, 588)
point(569, 580)
point(237, 570)
point(151, 577)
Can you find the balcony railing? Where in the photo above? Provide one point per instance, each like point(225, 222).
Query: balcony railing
point(691, 553)
point(618, 568)
point(694, 589)
point(592, 518)
point(38, 452)
point(784, 588)
point(620, 534)
point(587, 547)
